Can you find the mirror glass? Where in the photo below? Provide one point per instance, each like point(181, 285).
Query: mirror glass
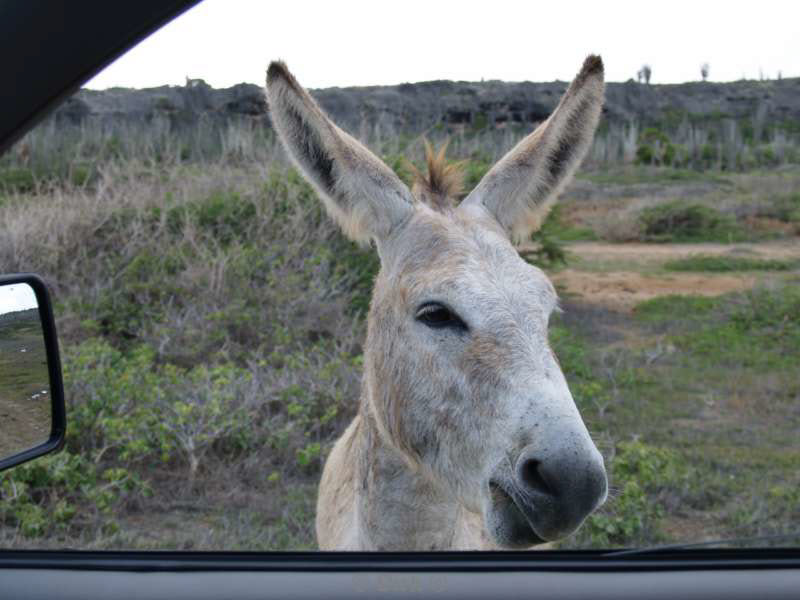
point(25, 406)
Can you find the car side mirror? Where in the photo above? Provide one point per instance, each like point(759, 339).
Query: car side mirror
point(32, 412)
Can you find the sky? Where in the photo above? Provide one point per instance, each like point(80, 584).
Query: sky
point(357, 42)
point(19, 296)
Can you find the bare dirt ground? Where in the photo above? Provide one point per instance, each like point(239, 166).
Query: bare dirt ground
point(24, 424)
point(618, 276)
point(24, 384)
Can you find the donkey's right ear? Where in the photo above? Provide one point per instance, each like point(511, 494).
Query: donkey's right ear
point(360, 192)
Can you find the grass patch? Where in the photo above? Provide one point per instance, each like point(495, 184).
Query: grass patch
point(24, 382)
point(672, 307)
point(758, 329)
point(664, 175)
point(725, 264)
point(23, 360)
point(696, 419)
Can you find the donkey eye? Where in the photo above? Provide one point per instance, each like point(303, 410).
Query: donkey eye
point(437, 316)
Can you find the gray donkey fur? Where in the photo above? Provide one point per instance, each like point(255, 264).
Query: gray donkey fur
point(466, 436)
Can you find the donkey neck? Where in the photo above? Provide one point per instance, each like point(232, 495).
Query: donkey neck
point(397, 506)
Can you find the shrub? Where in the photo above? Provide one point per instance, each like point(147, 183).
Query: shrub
point(474, 170)
point(400, 165)
point(784, 208)
point(145, 284)
point(682, 221)
point(639, 476)
point(17, 180)
point(125, 406)
point(655, 148)
point(61, 494)
point(644, 155)
point(224, 216)
point(549, 252)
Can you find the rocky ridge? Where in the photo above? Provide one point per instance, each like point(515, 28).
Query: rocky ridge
point(415, 107)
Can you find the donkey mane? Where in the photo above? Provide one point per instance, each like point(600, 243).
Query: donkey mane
point(443, 183)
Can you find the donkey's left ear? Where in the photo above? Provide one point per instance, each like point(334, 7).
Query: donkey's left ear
point(359, 191)
point(519, 190)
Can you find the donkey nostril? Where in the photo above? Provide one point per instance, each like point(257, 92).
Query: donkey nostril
point(530, 474)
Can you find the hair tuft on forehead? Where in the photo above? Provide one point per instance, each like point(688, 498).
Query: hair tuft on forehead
point(443, 183)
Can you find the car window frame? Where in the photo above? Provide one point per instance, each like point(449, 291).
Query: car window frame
point(36, 33)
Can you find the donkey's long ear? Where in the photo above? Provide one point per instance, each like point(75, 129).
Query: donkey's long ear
point(519, 190)
point(360, 192)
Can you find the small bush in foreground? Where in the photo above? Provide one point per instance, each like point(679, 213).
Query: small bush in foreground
point(17, 179)
point(639, 475)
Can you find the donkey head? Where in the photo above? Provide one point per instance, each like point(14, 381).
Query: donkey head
point(460, 379)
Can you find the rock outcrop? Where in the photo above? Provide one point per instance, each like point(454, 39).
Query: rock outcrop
point(416, 107)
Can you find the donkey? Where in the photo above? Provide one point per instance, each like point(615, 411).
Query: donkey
point(466, 436)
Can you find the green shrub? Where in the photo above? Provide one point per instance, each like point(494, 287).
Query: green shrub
point(401, 166)
point(685, 222)
point(573, 355)
point(17, 179)
point(474, 170)
point(549, 251)
point(785, 209)
point(355, 268)
point(225, 216)
point(145, 284)
point(556, 228)
point(654, 148)
point(81, 174)
point(708, 156)
point(61, 494)
point(127, 407)
point(639, 475)
point(480, 122)
point(305, 417)
point(548, 254)
point(645, 154)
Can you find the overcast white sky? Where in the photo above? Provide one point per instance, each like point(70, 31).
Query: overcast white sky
point(16, 297)
point(359, 42)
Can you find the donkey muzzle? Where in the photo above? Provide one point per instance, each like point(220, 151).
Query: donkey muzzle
point(549, 493)
point(557, 487)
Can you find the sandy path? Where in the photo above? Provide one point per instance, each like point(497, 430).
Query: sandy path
point(621, 289)
point(24, 424)
point(657, 253)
